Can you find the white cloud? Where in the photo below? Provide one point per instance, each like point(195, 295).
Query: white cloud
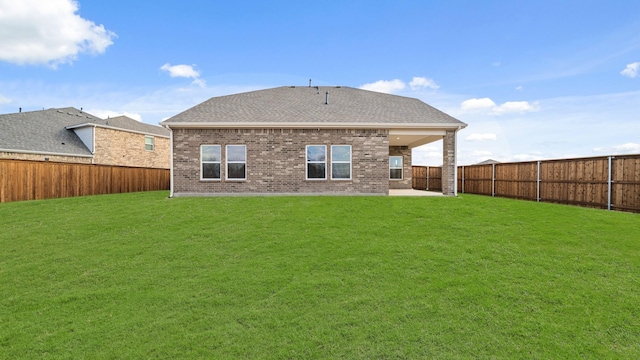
point(526, 157)
point(508, 107)
point(516, 107)
point(418, 83)
point(104, 114)
point(48, 32)
point(519, 88)
point(385, 86)
point(186, 71)
point(475, 104)
point(627, 148)
point(4, 100)
point(429, 154)
point(481, 137)
point(180, 71)
point(481, 153)
point(631, 70)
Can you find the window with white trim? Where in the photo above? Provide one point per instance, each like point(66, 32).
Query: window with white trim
point(210, 162)
point(395, 167)
point(316, 162)
point(236, 162)
point(149, 143)
point(340, 162)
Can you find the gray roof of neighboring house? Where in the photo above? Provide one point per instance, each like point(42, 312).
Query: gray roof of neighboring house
point(46, 130)
point(288, 104)
point(43, 131)
point(127, 123)
point(488, 162)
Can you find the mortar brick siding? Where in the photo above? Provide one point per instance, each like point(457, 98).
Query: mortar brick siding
point(405, 152)
point(449, 163)
point(42, 157)
point(115, 147)
point(276, 161)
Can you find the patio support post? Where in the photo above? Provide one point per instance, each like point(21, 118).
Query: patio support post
point(449, 168)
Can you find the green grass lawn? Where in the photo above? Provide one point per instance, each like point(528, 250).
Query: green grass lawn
point(143, 276)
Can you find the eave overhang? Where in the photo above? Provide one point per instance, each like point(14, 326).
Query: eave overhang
point(35, 152)
point(309, 125)
point(400, 134)
point(79, 126)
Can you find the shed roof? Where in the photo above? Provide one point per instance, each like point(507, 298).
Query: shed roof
point(313, 106)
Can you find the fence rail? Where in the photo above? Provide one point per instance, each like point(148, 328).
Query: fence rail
point(36, 180)
point(608, 182)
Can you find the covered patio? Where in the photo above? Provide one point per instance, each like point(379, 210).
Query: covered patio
point(402, 140)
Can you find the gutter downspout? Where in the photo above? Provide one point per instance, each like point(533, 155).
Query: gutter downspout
point(170, 162)
point(93, 147)
point(609, 182)
point(455, 161)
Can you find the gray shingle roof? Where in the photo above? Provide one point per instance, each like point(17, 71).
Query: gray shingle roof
point(127, 123)
point(45, 130)
point(286, 105)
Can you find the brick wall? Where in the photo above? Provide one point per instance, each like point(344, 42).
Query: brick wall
point(449, 163)
point(405, 152)
point(115, 147)
point(43, 157)
point(276, 161)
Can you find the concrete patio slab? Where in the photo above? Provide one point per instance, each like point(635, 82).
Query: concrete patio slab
point(413, 192)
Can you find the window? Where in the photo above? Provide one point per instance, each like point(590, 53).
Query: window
point(316, 162)
point(341, 162)
point(395, 167)
point(210, 162)
point(148, 143)
point(236, 162)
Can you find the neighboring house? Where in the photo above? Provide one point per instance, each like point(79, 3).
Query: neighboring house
point(488, 162)
point(71, 135)
point(305, 140)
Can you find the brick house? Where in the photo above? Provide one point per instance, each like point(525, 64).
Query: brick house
point(71, 135)
point(305, 140)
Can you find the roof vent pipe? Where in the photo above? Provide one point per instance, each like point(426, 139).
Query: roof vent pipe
point(309, 82)
point(326, 98)
point(19, 109)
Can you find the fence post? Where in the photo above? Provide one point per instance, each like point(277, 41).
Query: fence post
point(493, 179)
point(463, 179)
point(538, 183)
point(427, 179)
point(609, 186)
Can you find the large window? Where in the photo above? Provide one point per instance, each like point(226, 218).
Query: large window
point(210, 162)
point(316, 162)
point(395, 167)
point(149, 143)
point(236, 162)
point(341, 162)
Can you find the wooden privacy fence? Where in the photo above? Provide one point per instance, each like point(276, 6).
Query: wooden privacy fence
point(427, 178)
point(35, 180)
point(608, 182)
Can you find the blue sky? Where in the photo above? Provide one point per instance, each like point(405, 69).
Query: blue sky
point(533, 79)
